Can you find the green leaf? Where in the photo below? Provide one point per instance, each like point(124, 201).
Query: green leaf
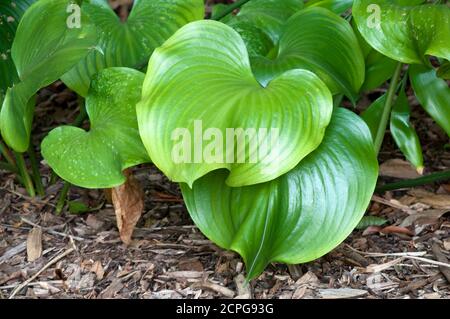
point(77, 207)
point(300, 216)
point(202, 77)
point(10, 14)
point(337, 6)
point(130, 43)
point(367, 221)
point(433, 94)
point(372, 115)
point(260, 23)
point(403, 132)
point(407, 34)
point(44, 49)
point(320, 41)
point(96, 159)
point(444, 71)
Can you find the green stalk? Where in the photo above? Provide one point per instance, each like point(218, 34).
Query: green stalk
point(229, 9)
point(62, 198)
point(6, 154)
point(390, 98)
point(26, 179)
point(35, 170)
point(435, 177)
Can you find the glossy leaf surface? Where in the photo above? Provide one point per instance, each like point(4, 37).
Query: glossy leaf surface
point(97, 158)
point(300, 216)
point(44, 48)
point(433, 94)
point(404, 33)
point(131, 42)
point(202, 77)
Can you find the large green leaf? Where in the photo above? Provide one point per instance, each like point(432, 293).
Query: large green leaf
point(130, 43)
point(300, 216)
point(372, 115)
point(96, 159)
point(320, 41)
point(202, 76)
point(433, 94)
point(44, 49)
point(403, 132)
point(407, 34)
point(10, 14)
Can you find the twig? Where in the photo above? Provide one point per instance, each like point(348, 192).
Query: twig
point(50, 263)
point(441, 258)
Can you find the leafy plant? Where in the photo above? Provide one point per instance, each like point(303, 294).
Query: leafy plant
point(273, 65)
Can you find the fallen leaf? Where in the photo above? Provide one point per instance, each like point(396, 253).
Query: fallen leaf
point(437, 201)
point(397, 230)
point(34, 244)
point(128, 201)
point(341, 293)
point(398, 168)
point(93, 222)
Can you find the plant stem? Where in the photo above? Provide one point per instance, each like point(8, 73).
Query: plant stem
point(62, 198)
point(230, 8)
point(26, 179)
point(387, 108)
point(35, 170)
point(6, 154)
point(435, 177)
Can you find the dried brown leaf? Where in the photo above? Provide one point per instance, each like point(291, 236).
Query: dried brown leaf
point(34, 244)
point(128, 200)
point(398, 168)
point(397, 230)
point(440, 201)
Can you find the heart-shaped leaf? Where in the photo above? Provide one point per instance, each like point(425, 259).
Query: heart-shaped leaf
point(45, 47)
point(202, 109)
point(130, 43)
point(405, 34)
point(433, 94)
point(10, 14)
point(300, 216)
point(320, 41)
point(97, 159)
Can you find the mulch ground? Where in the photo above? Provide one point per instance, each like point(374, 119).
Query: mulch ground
point(83, 257)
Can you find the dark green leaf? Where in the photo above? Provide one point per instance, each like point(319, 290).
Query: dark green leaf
point(367, 221)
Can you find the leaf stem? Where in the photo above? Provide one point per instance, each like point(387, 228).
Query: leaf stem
point(428, 179)
point(230, 8)
point(26, 179)
point(6, 154)
point(35, 170)
point(390, 98)
point(62, 198)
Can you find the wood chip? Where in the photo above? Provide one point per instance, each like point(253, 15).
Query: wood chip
point(215, 287)
point(427, 217)
point(98, 270)
point(375, 268)
point(34, 244)
point(13, 251)
point(243, 287)
point(341, 293)
point(443, 259)
point(185, 274)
